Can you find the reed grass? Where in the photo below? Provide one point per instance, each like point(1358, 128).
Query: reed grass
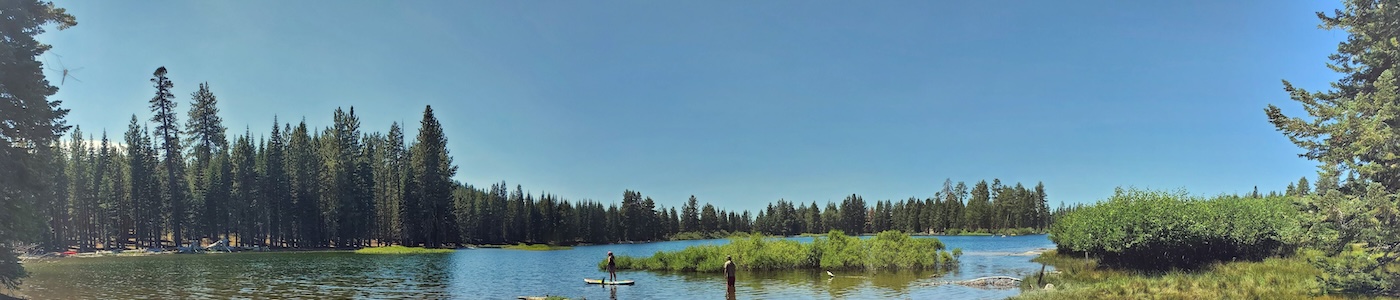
point(396, 249)
point(889, 250)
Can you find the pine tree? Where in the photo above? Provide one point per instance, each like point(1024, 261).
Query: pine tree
point(393, 178)
point(205, 141)
point(245, 192)
point(1302, 188)
point(853, 215)
point(1042, 207)
point(690, 215)
point(29, 122)
point(978, 213)
point(302, 172)
point(217, 215)
point(137, 174)
point(1350, 130)
point(956, 206)
point(106, 202)
point(463, 198)
point(709, 220)
point(173, 163)
point(78, 186)
point(364, 204)
point(57, 206)
point(276, 188)
point(433, 165)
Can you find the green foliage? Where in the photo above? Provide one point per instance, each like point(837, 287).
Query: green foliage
point(888, 250)
point(308, 187)
point(1017, 231)
point(1353, 234)
point(337, 187)
point(692, 235)
point(29, 123)
point(536, 247)
point(433, 170)
point(1159, 230)
point(396, 249)
point(10, 269)
point(1352, 129)
point(1005, 210)
point(1354, 271)
point(1079, 278)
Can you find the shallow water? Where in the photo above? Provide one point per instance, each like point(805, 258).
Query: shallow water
point(499, 274)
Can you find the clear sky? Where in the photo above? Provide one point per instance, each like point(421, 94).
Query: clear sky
point(743, 103)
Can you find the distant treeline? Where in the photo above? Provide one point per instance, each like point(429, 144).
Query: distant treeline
point(955, 209)
point(300, 186)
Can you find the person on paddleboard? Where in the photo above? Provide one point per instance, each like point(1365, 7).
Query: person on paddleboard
point(612, 267)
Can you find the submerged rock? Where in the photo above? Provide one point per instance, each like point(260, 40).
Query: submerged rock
point(1000, 282)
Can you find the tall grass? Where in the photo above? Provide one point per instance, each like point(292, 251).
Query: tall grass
point(1079, 278)
point(887, 250)
point(396, 249)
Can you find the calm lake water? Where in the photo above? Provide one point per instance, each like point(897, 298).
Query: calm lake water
point(498, 274)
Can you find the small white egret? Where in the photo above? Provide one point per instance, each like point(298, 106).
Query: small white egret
point(828, 273)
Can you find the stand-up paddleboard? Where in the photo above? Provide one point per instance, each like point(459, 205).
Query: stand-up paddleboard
point(603, 282)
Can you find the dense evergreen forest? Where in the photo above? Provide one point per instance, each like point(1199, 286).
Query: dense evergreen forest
point(165, 182)
point(296, 185)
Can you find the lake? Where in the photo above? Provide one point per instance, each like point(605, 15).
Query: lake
point(500, 274)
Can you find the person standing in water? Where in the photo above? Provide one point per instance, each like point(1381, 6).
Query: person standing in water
point(612, 268)
point(729, 270)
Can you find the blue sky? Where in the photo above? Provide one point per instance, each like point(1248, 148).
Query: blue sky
point(743, 103)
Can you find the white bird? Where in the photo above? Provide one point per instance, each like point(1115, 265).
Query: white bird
point(828, 273)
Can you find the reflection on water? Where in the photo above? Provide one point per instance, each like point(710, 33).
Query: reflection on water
point(498, 274)
point(256, 275)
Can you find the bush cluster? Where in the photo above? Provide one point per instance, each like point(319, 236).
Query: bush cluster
point(396, 249)
point(1162, 230)
point(835, 251)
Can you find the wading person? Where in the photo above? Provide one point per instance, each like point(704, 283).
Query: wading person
point(729, 270)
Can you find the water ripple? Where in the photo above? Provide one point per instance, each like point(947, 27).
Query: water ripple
point(497, 274)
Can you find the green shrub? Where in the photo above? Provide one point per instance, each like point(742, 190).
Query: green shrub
point(695, 235)
point(1016, 231)
point(1161, 230)
point(887, 250)
point(396, 249)
point(979, 232)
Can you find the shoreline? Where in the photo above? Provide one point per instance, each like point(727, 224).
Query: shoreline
point(140, 252)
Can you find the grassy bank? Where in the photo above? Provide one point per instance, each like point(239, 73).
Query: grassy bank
point(536, 247)
point(1080, 278)
point(396, 249)
point(693, 235)
point(835, 251)
point(1002, 231)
